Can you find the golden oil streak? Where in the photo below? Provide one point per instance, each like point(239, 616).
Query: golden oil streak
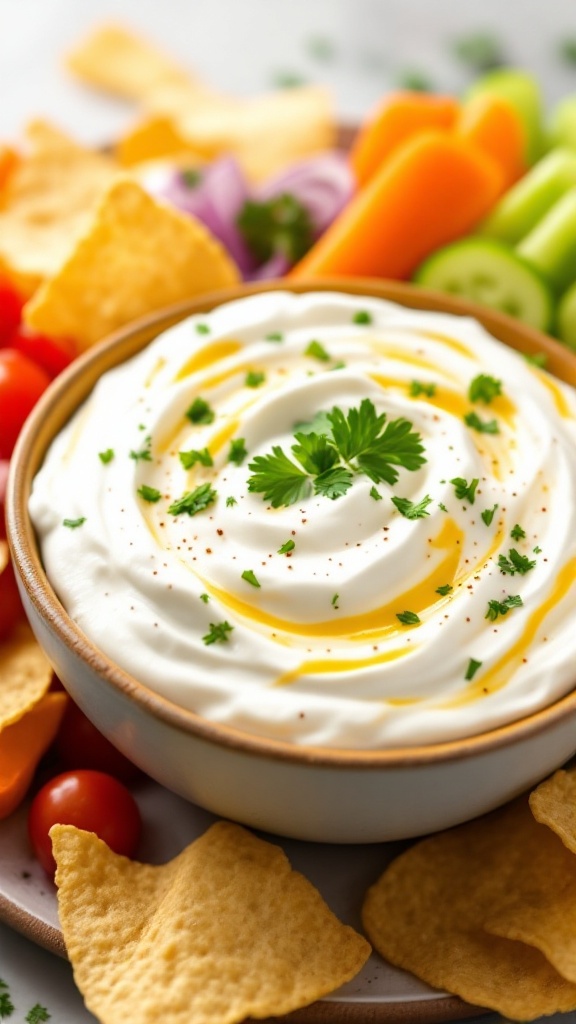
point(158, 366)
point(207, 356)
point(558, 396)
point(450, 342)
point(323, 666)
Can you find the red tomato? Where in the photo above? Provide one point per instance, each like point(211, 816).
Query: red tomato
point(4, 467)
point(11, 610)
point(89, 800)
point(10, 311)
point(79, 744)
point(52, 354)
point(21, 384)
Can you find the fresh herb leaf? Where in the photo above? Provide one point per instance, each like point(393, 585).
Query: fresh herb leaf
point(106, 456)
point(488, 515)
point(517, 533)
point(484, 388)
point(496, 608)
point(412, 510)
point(537, 550)
point(319, 424)
point(408, 618)
point(314, 452)
point(205, 598)
point(6, 1005)
point(362, 316)
point(200, 412)
point(317, 351)
point(375, 444)
point(249, 576)
point(194, 501)
point(202, 328)
point(444, 589)
point(333, 483)
point(278, 478)
point(287, 546)
point(539, 359)
point(515, 563)
point(73, 524)
point(230, 502)
point(335, 601)
point(149, 493)
point(442, 506)
point(189, 459)
point(418, 388)
point(238, 451)
point(37, 1015)
point(218, 633)
point(279, 225)
point(254, 378)
point(275, 336)
point(374, 493)
point(145, 453)
point(472, 669)
point(463, 489)
point(482, 426)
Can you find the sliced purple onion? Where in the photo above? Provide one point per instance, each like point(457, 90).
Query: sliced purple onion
point(323, 184)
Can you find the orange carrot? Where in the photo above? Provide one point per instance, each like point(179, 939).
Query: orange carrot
point(398, 118)
point(491, 123)
point(9, 160)
point(433, 189)
point(22, 745)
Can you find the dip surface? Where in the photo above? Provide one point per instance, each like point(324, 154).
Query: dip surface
point(341, 617)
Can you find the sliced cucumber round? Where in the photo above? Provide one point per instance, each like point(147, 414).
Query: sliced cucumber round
point(492, 274)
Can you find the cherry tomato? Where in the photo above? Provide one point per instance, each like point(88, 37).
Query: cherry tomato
point(52, 354)
point(79, 744)
point(21, 384)
point(89, 800)
point(10, 310)
point(4, 467)
point(11, 610)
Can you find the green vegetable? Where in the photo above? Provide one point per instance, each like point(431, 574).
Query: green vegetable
point(279, 225)
point(408, 618)
point(471, 419)
point(249, 576)
point(190, 458)
point(149, 493)
point(230, 502)
point(218, 633)
point(37, 1015)
point(411, 509)
point(317, 351)
point(106, 456)
point(287, 546)
point(522, 90)
point(417, 389)
point(551, 245)
point(515, 563)
point(566, 317)
point(145, 453)
point(488, 515)
point(484, 388)
point(445, 589)
point(6, 1004)
point(524, 205)
point(238, 451)
point(463, 489)
point(200, 412)
point(517, 533)
point(491, 273)
point(562, 123)
point(194, 501)
point(73, 524)
point(472, 669)
point(254, 378)
point(496, 608)
point(362, 317)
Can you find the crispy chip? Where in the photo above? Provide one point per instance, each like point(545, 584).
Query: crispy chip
point(25, 674)
point(47, 204)
point(152, 139)
point(430, 911)
point(138, 256)
point(115, 59)
point(224, 931)
point(553, 803)
point(4, 555)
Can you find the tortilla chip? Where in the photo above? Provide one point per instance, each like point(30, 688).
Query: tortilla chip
point(25, 674)
point(154, 138)
point(138, 256)
point(47, 204)
point(429, 912)
point(115, 59)
point(553, 803)
point(224, 931)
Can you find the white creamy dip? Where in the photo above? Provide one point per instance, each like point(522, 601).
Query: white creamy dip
point(369, 629)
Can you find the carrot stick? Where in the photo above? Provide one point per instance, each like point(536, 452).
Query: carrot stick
point(491, 123)
point(433, 189)
point(397, 118)
point(22, 745)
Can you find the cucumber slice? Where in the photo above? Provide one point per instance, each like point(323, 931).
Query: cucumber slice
point(491, 273)
point(530, 199)
point(566, 317)
point(523, 92)
point(562, 123)
point(551, 245)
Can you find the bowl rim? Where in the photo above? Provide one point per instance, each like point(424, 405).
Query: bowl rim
point(73, 385)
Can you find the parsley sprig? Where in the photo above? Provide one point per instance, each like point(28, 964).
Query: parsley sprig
point(193, 501)
point(360, 441)
point(515, 563)
point(497, 608)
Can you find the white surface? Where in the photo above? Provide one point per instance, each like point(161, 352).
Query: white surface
point(240, 46)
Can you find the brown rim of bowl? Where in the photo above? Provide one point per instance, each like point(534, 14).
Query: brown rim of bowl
point(56, 406)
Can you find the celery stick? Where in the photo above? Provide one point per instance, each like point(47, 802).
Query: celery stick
point(530, 199)
point(566, 317)
point(523, 92)
point(562, 123)
point(551, 245)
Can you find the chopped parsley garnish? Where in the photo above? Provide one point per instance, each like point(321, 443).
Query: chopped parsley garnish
point(202, 328)
point(442, 506)
point(444, 589)
point(539, 359)
point(37, 1015)
point(106, 456)
point(73, 524)
point(375, 493)
point(362, 316)
point(279, 225)
point(149, 493)
point(200, 412)
point(408, 618)
point(412, 509)
point(334, 601)
point(218, 633)
point(189, 459)
point(238, 451)
point(275, 336)
point(6, 1004)
point(463, 489)
point(230, 502)
point(418, 388)
point(488, 515)
point(517, 533)
point(482, 426)
point(249, 576)
point(145, 453)
point(472, 669)
point(287, 546)
point(359, 442)
point(484, 389)
point(194, 501)
point(317, 351)
point(537, 550)
point(254, 378)
point(205, 598)
point(515, 563)
point(496, 608)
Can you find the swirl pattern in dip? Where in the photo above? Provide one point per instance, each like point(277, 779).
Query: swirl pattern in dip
point(352, 621)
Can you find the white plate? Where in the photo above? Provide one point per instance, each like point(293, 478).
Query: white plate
point(341, 873)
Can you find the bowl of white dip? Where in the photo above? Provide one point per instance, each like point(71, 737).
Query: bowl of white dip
point(308, 555)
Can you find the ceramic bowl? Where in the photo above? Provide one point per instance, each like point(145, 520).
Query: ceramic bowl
point(323, 795)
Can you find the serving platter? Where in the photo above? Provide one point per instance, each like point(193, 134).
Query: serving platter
point(379, 993)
